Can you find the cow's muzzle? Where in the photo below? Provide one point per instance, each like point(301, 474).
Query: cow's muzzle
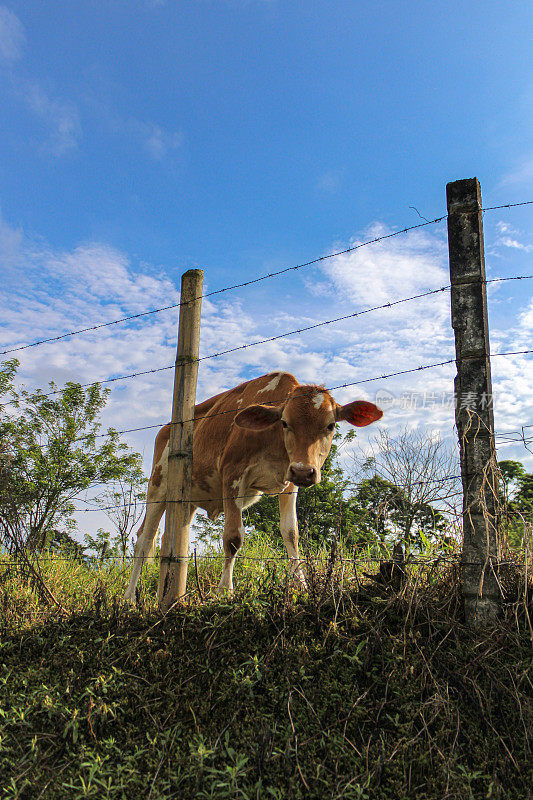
point(303, 475)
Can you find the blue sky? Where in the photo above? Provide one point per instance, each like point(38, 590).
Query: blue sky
point(139, 139)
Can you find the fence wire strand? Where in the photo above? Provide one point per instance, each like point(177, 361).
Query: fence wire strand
point(225, 288)
point(243, 284)
point(303, 559)
point(304, 329)
point(195, 501)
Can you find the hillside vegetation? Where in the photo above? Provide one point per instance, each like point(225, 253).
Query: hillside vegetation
point(349, 690)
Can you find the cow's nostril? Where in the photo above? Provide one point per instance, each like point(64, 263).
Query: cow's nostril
point(302, 474)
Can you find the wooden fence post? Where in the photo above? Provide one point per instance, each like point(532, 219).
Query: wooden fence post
point(175, 545)
point(473, 402)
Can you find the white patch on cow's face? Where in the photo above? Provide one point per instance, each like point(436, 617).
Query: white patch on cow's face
point(239, 402)
point(318, 400)
point(272, 385)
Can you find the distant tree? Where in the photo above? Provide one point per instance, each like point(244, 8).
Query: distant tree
point(61, 543)
point(102, 546)
point(207, 533)
point(384, 511)
point(413, 481)
point(49, 454)
point(123, 502)
point(516, 499)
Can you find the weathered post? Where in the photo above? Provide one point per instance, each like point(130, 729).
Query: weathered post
point(473, 399)
point(175, 545)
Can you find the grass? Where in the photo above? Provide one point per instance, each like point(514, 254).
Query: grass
point(349, 690)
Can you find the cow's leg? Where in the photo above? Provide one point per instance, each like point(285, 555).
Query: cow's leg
point(144, 545)
point(288, 523)
point(233, 538)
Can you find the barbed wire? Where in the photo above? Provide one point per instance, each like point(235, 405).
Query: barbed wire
point(270, 402)
point(511, 278)
point(508, 205)
point(243, 284)
point(304, 329)
point(195, 501)
point(114, 432)
point(224, 289)
point(355, 314)
point(286, 397)
point(303, 560)
point(167, 422)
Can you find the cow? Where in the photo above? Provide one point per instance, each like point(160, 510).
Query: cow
point(269, 435)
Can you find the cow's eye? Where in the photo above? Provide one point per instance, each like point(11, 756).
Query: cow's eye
point(284, 423)
point(331, 427)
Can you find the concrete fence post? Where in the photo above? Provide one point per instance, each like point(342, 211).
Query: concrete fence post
point(473, 402)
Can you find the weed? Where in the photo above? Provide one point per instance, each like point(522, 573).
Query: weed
point(351, 690)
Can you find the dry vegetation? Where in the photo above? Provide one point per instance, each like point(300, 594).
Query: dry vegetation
point(351, 690)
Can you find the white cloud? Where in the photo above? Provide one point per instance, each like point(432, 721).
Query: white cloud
point(12, 36)
point(506, 241)
point(526, 323)
point(157, 141)
point(504, 227)
point(61, 119)
point(387, 270)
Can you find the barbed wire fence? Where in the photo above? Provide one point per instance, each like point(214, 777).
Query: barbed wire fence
point(517, 436)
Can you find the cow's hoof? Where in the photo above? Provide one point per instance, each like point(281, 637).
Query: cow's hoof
point(299, 581)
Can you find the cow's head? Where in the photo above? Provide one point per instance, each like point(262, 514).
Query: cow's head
point(307, 419)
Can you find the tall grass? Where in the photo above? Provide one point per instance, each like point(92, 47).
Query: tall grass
point(79, 584)
point(352, 689)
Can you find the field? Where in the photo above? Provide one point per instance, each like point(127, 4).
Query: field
point(349, 690)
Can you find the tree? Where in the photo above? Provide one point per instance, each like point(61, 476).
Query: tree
point(103, 545)
point(384, 510)
point(123, 503)
point(49, 453)
point(409, 474)
point(516, 500)
point(61, 543)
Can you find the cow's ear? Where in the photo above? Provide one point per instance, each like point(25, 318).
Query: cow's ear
point(257, 418)
point(359, 413)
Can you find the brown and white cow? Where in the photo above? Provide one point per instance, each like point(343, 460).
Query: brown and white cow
point(269, 435)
